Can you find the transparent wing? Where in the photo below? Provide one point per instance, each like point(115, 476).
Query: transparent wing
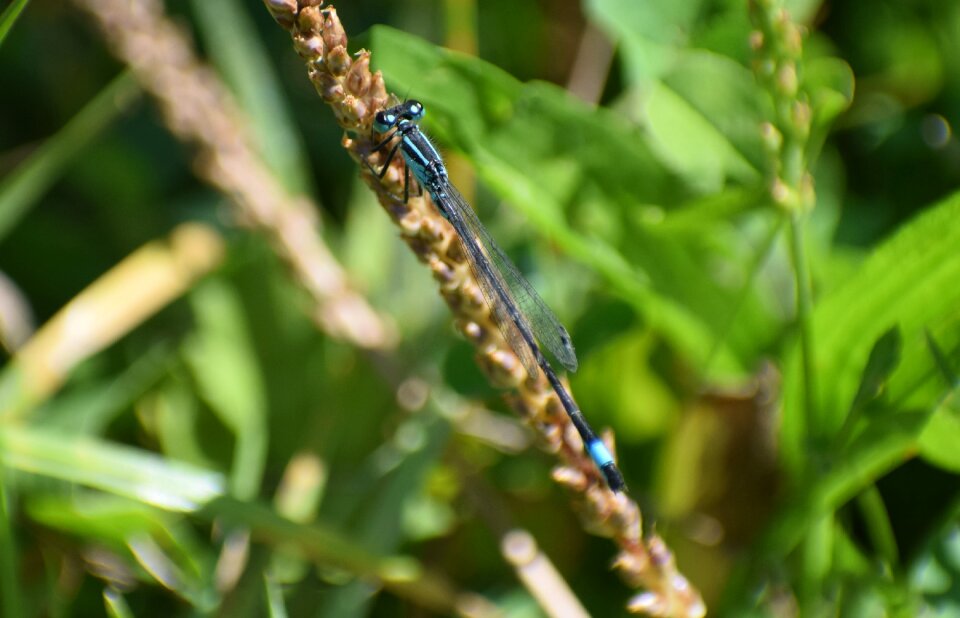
point(528, 310)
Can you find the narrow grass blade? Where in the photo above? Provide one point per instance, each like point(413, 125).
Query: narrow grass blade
point(9, 17)
point(21, 189)
point(109, 467)
point(236, 50)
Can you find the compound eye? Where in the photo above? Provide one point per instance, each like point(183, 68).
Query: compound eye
point(415, 110)
point(383, 121)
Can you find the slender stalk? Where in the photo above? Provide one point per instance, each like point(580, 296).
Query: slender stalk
point(878, 525)
point(804, 320)
point(11, 603)
point(356, 94)
point(778, 43)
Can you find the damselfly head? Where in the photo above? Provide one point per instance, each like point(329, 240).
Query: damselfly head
point(387, 119)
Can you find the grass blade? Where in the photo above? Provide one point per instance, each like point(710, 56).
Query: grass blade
point(30, 180)
point(9, 17)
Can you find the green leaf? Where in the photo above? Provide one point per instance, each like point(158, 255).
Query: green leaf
point(644, 406)
point(910, 281)
point(883, 360)
point(706, 113)
point(881, 446)
point(651, 34)
point(537, 129)
point(939, 440)
point(938, 444)
point(829, 83)
point(702, 108)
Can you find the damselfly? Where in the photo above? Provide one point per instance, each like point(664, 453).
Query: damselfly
point(520, 313)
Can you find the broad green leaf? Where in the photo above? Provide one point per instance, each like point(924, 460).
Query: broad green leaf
point(830, 82)
point(664, 22)
point(883, 360)
point(709, 98)
point(702, 108)
point(651, 34)
point(690, 144)
point(643, 406)
point(731, 105)
point(938, 443)
point(909, 281)
point(537, 128)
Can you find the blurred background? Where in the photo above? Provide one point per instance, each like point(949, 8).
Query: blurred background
point(796, 464)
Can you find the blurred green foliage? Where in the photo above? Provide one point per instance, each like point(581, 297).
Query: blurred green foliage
point(645, 222)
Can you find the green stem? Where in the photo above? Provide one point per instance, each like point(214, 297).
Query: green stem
point(805, 319)
point(878, 525)
point(12, 604)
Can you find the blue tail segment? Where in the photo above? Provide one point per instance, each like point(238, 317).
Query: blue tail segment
point(601, 456)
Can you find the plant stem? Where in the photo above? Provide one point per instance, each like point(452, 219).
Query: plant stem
point(804, 294)
point(9, 588)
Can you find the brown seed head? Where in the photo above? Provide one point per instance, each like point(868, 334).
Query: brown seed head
point(338, 60)
point(333, 33)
